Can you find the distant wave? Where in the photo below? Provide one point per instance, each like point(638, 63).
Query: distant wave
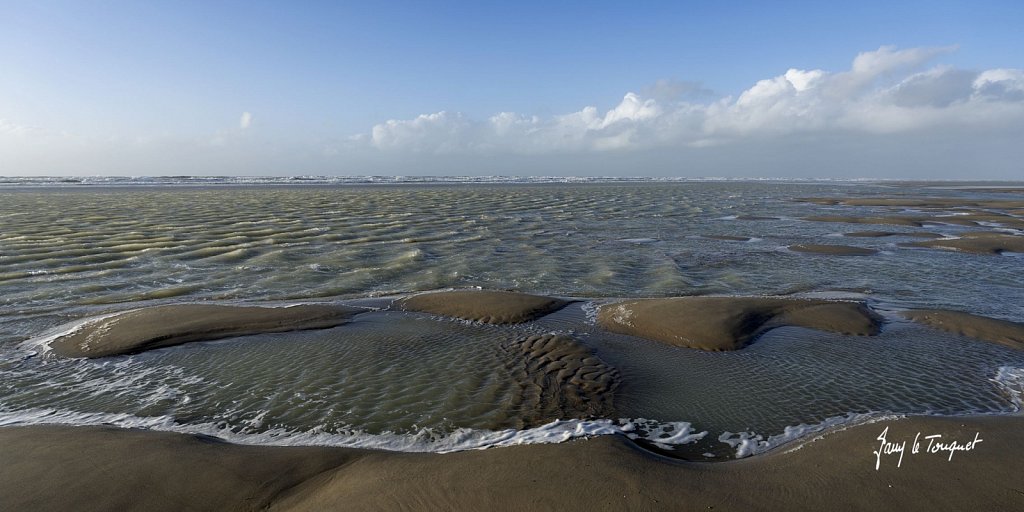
point(65, 181)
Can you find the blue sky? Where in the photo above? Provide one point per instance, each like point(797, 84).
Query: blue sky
point(417, 87)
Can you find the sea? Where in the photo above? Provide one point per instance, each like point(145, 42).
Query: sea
point(72, 249)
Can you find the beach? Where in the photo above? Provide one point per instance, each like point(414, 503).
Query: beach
point(100, 468)
point(509, 346)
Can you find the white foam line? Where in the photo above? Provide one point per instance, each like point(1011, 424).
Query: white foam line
point(752, 443)
point(666, 435)
point(1010, 380)
point(590, 309)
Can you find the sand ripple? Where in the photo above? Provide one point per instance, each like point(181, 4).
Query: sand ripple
point(559, 378)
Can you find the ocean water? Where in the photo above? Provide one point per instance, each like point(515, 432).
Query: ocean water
point(71, 251)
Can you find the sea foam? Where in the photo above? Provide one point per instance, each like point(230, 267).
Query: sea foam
point(666, 435)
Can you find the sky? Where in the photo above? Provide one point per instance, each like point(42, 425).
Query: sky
point(924, 90)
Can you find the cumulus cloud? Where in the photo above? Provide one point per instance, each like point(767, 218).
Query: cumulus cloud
point(245, 121)
point(886, 91)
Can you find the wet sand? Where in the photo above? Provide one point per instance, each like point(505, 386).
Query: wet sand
point(947, 210)
point(966, 219)
point(976, 218)
point(977, 242)
point(490, 307)
point(51, 468)
point(165, 326)
point(834, 250)
point(881, 234)
point(916, 202)
point(1003, 332)
point(890, 220)
point(730, 323)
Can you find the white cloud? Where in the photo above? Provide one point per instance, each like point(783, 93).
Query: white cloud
point(245, 121)
point(1000, 84)
point(888, 59)
point(884, 92)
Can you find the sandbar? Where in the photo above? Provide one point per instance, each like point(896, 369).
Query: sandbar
point(984, 328)
point(164, 326)
point(834, 250)
point(880, 234)
point(730, 323)
point(916, 202)
point(890, 220)
point(486, 306)
point(984, 242)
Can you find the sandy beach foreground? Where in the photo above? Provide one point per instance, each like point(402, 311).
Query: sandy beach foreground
point(103, 468)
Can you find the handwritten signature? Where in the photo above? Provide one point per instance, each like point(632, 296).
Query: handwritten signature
point(935, 444)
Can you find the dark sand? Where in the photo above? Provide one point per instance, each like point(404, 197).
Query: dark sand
point(974, 218)
point(1003, 332)
point(730, 323)
point(491, 307)
point(969, 220)
point(834, 250)
point(983, 242)
point(890, 220)
point(165, 326)
point(916, 202)
point(559, 378)
point(59, 468)
point(880, 234)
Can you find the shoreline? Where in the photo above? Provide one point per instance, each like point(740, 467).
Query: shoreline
point(103, 468)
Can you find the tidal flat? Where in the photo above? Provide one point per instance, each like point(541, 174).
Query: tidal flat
point(319, 338)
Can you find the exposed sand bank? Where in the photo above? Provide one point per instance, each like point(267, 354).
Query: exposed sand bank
point(730, 323)
point(880, 234)
point(1003, 332)
point(492, 307)
point(835, 250)
point(51, 468)
point(970, 220)
point(984, 242)
point(916, 202)
point(165, 326)
point(890, 220)
point(976, 218)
